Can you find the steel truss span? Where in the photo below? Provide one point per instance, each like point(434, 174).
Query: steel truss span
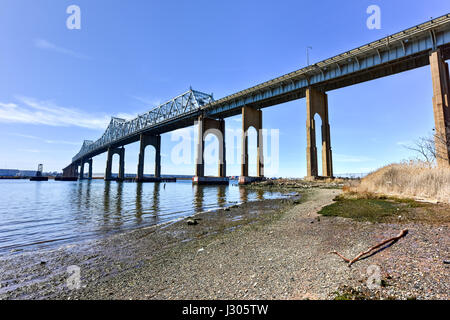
point(120, 129)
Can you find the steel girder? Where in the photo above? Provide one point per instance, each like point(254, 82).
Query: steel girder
point(402, 51)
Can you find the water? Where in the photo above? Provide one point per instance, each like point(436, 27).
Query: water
point(36, 214)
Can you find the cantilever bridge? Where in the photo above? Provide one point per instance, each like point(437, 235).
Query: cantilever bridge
point(424, 44)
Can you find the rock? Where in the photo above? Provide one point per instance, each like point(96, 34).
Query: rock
point(191, 221)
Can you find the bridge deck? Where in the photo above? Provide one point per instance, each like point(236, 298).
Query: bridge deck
point(393, 54)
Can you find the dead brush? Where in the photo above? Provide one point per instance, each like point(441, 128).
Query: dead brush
point(411, 179)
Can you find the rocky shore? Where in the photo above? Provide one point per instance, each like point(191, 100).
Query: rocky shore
point(271, 249)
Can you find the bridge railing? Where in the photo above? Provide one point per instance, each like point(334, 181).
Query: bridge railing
point(118, 128)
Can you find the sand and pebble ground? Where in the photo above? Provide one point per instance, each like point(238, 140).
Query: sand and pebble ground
point(271, 249)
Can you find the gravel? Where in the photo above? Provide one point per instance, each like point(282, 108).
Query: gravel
point(271, 249)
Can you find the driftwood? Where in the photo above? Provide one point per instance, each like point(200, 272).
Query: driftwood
point(363, 253)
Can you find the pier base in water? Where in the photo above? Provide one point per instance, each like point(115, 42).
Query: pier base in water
point(148, 179)
point(247, 180)
point(155, 179)
point(39, 179)
point(66, 178)
point(210, 180)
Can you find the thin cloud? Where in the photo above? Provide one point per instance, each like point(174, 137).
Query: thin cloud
point(33, 111)
point(127, 116)
point(27, 136)
point(46, 45)
point(24, 136)
point(62, 142)
point(146, 101)
point(29, 150)
point(8, 105)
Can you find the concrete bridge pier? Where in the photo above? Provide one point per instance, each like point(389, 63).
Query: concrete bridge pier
point(81, 177)
point(90, 169)
point(70, 171)
point(251, 118)
point(111, 152)
point(441, 107)
point(216, 127)
point(317, 102)
point(83, 162)
point(149, 140)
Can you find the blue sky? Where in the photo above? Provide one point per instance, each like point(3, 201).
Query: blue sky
point(60, 86)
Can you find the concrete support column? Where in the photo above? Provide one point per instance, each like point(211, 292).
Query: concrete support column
point(146, 140)
point(317, 102)
point(81, 170)
point(199, 159)
point(108, 171)
point(441, 108)
point(222, 150)
point(122, 164)
point(83, 162)
point(205, 127)
point(158, 159)
point(70, 171)
point(90, 168)
point(111, 153)
point(252, 118)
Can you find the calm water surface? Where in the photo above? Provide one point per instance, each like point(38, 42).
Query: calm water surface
point(35, 214)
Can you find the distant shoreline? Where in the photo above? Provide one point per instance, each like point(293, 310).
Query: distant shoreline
point(53, 177)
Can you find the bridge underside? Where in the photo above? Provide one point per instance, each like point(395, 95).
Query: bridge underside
point(415, 61)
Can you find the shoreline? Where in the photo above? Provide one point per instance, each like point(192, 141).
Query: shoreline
point(25, 272)
point(55, 244)
point(103, 219)
point(270, 249)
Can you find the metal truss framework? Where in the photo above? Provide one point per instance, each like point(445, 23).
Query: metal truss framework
point(119, 129)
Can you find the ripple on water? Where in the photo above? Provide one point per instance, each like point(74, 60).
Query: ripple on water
point(48, 213)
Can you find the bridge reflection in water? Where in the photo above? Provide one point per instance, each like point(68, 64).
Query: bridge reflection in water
point(92, 208)
point(153, 203)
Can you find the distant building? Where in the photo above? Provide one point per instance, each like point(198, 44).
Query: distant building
point(27, 173)
point(9, 172)
point(17, 173)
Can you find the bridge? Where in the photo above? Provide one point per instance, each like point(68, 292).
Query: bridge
point(418, 46)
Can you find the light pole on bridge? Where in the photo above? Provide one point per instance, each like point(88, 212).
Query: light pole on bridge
point(307, 55)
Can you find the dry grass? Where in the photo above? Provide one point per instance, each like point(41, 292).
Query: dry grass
point(412, 179)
